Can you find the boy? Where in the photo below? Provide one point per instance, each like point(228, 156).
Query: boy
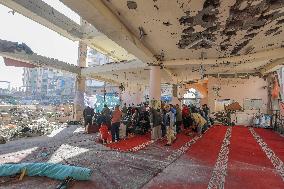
point(104, 133)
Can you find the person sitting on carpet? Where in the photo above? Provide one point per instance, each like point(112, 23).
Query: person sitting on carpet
point(104, 134)
point(169, 122)
point(135, 117)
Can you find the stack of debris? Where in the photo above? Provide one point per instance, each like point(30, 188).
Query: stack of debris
point(224, 117)
point(27, 123)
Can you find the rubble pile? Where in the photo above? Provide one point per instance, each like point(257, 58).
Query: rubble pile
point(18, 123)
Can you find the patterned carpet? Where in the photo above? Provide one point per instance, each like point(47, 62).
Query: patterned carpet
point(228, 157)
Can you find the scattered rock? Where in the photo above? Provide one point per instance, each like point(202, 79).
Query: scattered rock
point(2, 140)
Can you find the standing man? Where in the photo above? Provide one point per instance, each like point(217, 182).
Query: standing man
point(185, 116)
point(169, 122)
point(115, 123)
point(124, 110)
point(178, 118)
point(206, 113)
point(173, 110)
point(88, 114)
point(106, 115)
point(155, 123)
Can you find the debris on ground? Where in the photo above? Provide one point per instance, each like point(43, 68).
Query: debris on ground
point(17, 123)
point(2, 140)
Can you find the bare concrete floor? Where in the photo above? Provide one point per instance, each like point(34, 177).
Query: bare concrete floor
point(112, 169)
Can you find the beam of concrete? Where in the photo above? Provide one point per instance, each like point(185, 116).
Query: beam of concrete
point(44, 14)
point(172, 75)
point(100, 78)
point(42, 61)
point(115, 66)
point(100, 16)
point(264, 55)
point(272, 66)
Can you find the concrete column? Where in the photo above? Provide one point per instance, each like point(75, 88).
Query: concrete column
point(155, 83)
point(80, 83)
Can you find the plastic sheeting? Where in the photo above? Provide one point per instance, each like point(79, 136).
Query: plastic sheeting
point(54, 171)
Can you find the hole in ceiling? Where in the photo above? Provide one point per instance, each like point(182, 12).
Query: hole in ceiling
point(131, 4)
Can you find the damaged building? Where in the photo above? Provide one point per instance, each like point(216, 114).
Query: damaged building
point(214, 61)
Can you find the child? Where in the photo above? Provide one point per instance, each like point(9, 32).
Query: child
point(104, 133)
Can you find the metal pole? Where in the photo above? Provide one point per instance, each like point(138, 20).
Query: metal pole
point(104, 92)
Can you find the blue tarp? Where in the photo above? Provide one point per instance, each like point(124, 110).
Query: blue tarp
point(51, 170)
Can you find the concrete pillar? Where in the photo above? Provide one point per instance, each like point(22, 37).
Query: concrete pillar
point(155, 83)
point(80, 83)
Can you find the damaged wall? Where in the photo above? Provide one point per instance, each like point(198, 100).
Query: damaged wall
point(133, 94)
point(238, 89)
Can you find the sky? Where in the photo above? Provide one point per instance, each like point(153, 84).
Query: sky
point(41, 40)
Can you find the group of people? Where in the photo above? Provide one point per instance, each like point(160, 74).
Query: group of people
point(166, 121)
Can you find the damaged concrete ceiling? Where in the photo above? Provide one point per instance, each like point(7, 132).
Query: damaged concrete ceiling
point(182, 29)
point(179, 74)
point(224, 36)
point(187, 36)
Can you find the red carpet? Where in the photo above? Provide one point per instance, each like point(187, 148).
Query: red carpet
point(248, 166)
point(207, 149)
point(193, 169)
point(132, 144)
point(273, 140)
point(181, 139)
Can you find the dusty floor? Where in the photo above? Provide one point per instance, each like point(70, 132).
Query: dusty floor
point(237, 157)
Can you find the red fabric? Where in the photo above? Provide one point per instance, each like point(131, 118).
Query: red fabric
point(185, 111)
point(248, 165)
point(273, 140)
point(128, 144)
point(181, 139)
point(104, 132)
point(275, 91)
point(194, 168)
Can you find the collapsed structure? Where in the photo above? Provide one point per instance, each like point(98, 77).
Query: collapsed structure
point(215, 47)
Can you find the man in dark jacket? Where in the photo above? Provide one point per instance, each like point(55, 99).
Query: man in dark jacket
point(155, 123)
point(106, 113)
point(88, 114)
point(178, 118)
